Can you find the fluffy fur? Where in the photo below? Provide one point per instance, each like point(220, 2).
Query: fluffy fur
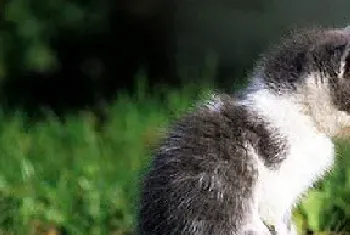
point(240, 163)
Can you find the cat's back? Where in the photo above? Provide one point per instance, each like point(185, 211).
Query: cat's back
point(202, 177)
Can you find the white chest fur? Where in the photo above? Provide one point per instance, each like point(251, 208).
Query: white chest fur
point(311, 154)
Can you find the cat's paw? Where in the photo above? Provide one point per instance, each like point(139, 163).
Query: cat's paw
point(255, 232)
point(283, 229)
point(257, 228)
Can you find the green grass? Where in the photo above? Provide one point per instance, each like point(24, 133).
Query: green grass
point(68, 176)
point(327, 206)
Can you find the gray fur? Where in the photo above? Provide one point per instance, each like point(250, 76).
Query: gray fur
point(204, 170)
point(316, 50)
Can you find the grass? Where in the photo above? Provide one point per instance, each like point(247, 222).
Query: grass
point(326, 207)
point(68, 178)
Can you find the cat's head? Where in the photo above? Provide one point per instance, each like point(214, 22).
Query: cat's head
point(316, 65)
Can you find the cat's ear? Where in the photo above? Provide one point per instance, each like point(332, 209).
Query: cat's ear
point(344, 70)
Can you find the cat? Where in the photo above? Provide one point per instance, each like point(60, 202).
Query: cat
point(239, 163)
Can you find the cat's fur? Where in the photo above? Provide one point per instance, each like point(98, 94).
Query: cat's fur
point(240, 163)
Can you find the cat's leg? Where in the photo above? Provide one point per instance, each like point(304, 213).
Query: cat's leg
point(255, 224)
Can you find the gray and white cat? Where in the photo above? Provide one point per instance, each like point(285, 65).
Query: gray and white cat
point(240, 163)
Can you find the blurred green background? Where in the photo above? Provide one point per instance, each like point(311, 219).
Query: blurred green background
point(87, 88)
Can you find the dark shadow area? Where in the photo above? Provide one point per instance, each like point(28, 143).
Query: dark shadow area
point(162, 38)
point(94, 66)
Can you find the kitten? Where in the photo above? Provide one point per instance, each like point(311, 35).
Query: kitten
point(238, 164)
